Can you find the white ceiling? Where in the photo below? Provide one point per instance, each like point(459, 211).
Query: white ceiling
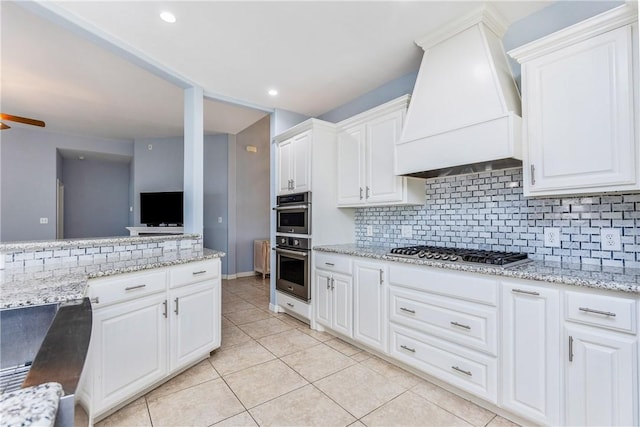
point(317, 54)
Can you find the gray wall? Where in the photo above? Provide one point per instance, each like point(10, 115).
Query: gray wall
point(252, 191)
point(28, 178)
point(216, 167)
point(388, 91)
point(158, 169)
point(96, 198)
point(284, 119)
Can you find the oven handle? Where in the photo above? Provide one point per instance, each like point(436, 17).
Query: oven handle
point(287, 208)
point(288, 252)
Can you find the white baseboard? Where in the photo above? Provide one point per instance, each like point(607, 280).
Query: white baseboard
point(238, 275)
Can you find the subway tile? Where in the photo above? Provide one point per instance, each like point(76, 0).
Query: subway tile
point(483, 211)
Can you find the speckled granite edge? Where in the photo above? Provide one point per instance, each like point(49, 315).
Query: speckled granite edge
point(207, 254)
point(617, 279)
point(71, 288)
point(31, 406)
point(102, 241)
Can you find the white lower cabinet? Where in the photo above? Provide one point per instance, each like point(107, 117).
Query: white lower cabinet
point(146, 327)
point(497, 338)
point(194, 323)
point(531, 383)
point(334, 306)
point(466, 369)
point(601, 377)
point(128, 349)
point(370, 304)
point(601, 359)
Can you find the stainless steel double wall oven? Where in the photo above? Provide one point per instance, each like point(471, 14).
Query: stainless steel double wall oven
point(293, 245)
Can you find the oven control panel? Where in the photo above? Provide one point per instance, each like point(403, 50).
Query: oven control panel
point(299, 243)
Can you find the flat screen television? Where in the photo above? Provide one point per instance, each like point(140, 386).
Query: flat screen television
point(161, 208)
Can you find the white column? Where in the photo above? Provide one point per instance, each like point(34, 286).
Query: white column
point(193, 160)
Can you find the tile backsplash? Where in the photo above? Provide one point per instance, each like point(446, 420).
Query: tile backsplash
point(90, 256)
point(487, 210)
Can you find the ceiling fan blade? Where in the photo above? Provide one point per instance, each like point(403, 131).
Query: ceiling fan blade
point(25, 120)
point(3, 126)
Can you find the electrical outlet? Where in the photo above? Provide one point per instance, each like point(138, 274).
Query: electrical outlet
point(369, 230)
point(610, 239)
point(407, 231)
point(219, 220)
point(44, 220)
point(552, 237)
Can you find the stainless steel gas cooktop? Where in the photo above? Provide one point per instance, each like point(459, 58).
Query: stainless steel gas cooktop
point(471, 256)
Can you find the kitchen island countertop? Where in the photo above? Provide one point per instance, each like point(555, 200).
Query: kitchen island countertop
point(591, 276)
point(71, 288)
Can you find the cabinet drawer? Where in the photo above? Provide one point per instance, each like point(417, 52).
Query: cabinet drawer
point(294, 305)
point(466, 369)
point(467, 286)
point(194, 272)
point(462, 322)
point(602, 310)
point(339, 264)
point(123, 287)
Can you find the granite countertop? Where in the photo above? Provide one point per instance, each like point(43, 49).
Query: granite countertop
point(71, 288)
point(612, 278)
point(31, 406)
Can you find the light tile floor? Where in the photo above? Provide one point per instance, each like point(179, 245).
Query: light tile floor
point(273, 370)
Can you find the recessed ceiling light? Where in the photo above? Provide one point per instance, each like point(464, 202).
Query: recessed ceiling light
point(272, 92)
point(81, 157)
point(168, 17)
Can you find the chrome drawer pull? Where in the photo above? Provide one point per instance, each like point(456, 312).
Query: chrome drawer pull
point(520, 291)
point(408, 310)
point(460, 325)
point(164, 313)
point(199, 272)
point(462, 371)
point(290, 305)
point(176, 310)
point(131, 288)
point(570, 348)
point(412, 350)
point(590, 310)
point(330, 264)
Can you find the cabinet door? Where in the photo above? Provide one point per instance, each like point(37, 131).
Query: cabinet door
point(601, 377)
point(284, 166)
point(322, 284)
point(351, 173)
point(342, 307)
point(301, 162)
point(382, 134)
point(370, 302)
point(579, 112)
point(530, 348)
point(195, 322)
point(130, 351)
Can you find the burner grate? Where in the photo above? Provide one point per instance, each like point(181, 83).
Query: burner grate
point(474, 256)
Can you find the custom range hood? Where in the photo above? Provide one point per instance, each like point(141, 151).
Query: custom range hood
point(464, 114)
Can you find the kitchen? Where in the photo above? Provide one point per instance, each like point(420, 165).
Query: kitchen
point(383, 223)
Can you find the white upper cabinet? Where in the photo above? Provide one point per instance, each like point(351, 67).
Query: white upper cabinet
point(578, 89)
point(294, 164)
point(365, 159)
